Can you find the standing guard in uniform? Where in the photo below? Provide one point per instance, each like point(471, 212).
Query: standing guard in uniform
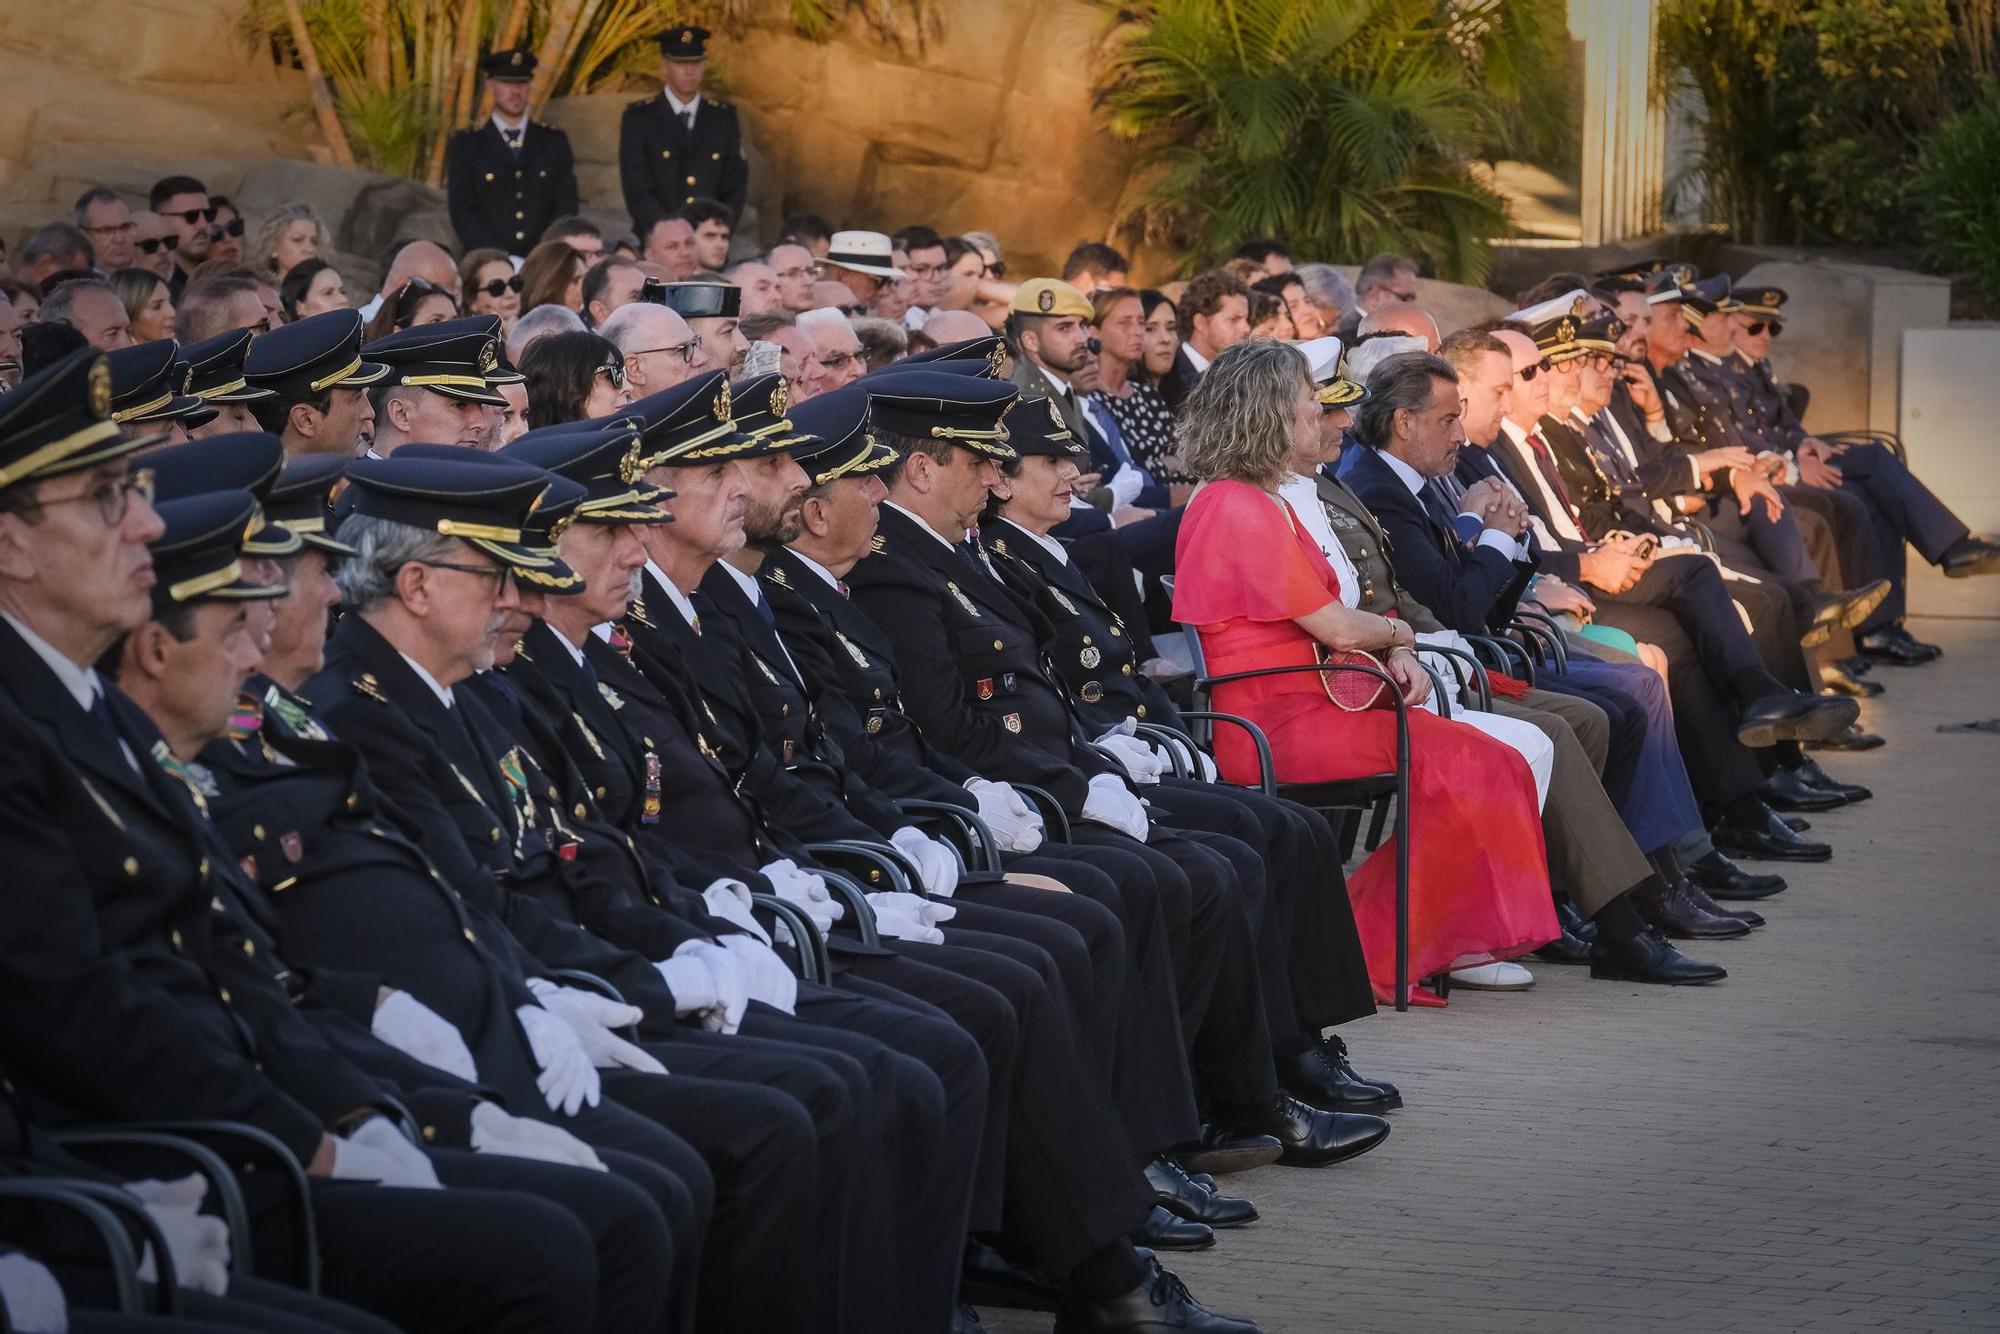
point(508, 179)
point(680, 146)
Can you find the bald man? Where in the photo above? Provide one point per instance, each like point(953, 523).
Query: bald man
point(659, 348)
point(1406, 320)
point(418, 259)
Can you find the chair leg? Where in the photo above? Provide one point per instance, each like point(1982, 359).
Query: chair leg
point(1376, 820)
point(1350, 826)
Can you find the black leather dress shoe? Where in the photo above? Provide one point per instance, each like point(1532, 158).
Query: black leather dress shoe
point(1222, 1151)
point(1315, 1075)
point(1798, 824)
point(1165, 1230)
point(1573, 945)
point(1793, 716)
point(988, 1278)
point(1810, 771)
point(1649, 957)
point(1843, 609)
point(1180, 1194)
point(1160, 1305)
point(1834, 678)
point(1335, 1048)
point(1851, 739)
point(1785, 790)
point(1773, 841)
point(1969, 556)
point(1724, 879)
point(1898, 647)
point(1701, 899)
point(1858, 665)
point(965, 1320)
point(1672, 910)
point(1313, 1137)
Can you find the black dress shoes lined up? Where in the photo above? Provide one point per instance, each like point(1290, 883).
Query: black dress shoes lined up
point(1160, 1305)
point(1195, 1200)
point(1221, 1151)
point(1322, 1075)
point(1794, 716)
point(1313, 1137)
point(1165, 1230)
point(1787, 790)
point(1724, 879)
point(1773, 840)
point(1649, 957)
point(1852, 792)
point(1672, 910)
point(1895, 646)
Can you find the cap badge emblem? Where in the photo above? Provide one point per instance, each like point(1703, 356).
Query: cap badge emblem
point(632, 465)
point(781, 397)
point(1770, 298)
point(187, 380)
point(1566, 330)
point(996, 357)
point(100, 388)
point(514, 59)
point(1045, 301)
point(721, 405)
point(489, 356)
point(1055, 417)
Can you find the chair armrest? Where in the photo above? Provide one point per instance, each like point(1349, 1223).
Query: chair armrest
point(856, 899)
point(1479, 682)
point(127, 1153)
point(586, 981)
point(1508, 654)
point(1055, 820)
point(1438, 692)
point(876, 866)
point(1176, 746)
point(1554, 631)
point(1267, 772)
point(979, 849)
point(249, 1149)
point(814, 963)
point(108, 1224)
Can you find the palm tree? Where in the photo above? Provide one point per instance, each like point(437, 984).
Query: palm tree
point(1346, 126)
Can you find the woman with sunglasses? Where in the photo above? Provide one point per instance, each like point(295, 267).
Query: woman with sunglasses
point(226, 238)
point(552, 275)
point(415, 302)
point(291, 236)
point(488, 285)
point(313, 287)
point(149, 305)
point(573, 377)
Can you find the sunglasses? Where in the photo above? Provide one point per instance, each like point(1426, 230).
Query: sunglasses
point(234, 227)
point(1756, 327)
point(152, 245)
point(615, 372)
point(193, 215)
point(499, 287)
point(1530, 372)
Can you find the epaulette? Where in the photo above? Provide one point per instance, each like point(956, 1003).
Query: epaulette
point(366, 684)
point(879, 544)
point(776, 574)
point(1000, 545)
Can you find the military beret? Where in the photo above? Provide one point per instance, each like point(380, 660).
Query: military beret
point(199, 555)
point(1050, 296)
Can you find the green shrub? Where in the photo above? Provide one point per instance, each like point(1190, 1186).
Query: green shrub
point(1956, 190)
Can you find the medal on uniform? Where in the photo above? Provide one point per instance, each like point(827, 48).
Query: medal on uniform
point(1091, 692)
point(292, 845)
point(1007, 683)
point(963, 600)
point(874, 721)
point(1012, 722)
point(1067, 605)
point(292, 716)
point(246, 717)
point(649, 810)
point(1090, 657)
point(984, 688)
point(610, 696)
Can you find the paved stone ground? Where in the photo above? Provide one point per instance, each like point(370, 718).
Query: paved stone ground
point(1813, 1144)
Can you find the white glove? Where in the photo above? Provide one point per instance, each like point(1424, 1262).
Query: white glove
point(1110, 802)
point(498, 1132)
point(1008, 814)
point(730, 900)
point(937, 864)
point(567, 1080)
point(32, 1297)
point(910, 917)
point(416, 1030)
point(805, 890)
point(592, 1018)
point(1209, 773)
point(196, 1243)
point(765, 976)
point(1133, 755)
point(377, 1151)
point(708, 983)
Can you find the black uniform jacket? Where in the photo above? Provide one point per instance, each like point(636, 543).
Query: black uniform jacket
point(663, 165)
point(503, 198)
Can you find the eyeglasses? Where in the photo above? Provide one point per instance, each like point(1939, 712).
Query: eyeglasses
point(1756, 327)
point(1528, 373)
point(193, 215)
point(113, 497)
point(615, 372)
point(836, 362)
point(685, 351)
point(126, 228)
point(499, 287)
point(503, 574)
point(798, 271)
point(234, 227)
point(152, 245)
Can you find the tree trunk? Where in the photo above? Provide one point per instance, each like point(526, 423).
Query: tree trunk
point(562, 22)
point(455, 103)
point(322, 95)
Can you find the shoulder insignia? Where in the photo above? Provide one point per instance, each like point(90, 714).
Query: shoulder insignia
point(778, 576)
point(1000, 545)
point(961, 598)
point(590, 737)
point(638, 613)
point(367, 685)
point(878, 544)
point(853, 650)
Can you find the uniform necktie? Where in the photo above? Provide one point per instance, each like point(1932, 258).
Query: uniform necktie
point(100, 713)
point(513, 138)
point(1545, 463)
point(687, 120)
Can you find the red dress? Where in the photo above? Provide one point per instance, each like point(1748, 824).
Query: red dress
point(1479, 879)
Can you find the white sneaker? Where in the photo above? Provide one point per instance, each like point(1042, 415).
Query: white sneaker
point(1493, 977)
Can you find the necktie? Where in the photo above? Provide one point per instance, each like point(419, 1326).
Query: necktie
point(1454, 494)
point(1545, 463)
point(687, 120)
point(764, 610)
point(1107, 424)
point(513, 138)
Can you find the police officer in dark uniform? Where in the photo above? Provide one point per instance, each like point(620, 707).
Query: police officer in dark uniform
point(508, 179)
point(145, 1000)
point(151, 390)
point(218, 381)
point(681, 145)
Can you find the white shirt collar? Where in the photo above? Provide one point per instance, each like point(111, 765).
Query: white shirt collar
point(680, 600)
point(1049, 544)
point(442, 692)
point(922, 523)
point(1708, 357)
point(563, 639)
point(679, 106)
point(1405, 474)
point(83, 683)
point(832, 579)
point(746, 582)
point(500, 123)
point(1200, 362)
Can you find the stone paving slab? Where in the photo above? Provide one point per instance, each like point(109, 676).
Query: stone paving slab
point(1813, 1144)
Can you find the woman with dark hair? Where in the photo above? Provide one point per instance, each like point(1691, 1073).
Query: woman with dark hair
point(417, 301)
point(1144, 421)
point(552, 275)
point(488, 285)
point(1269, 318)
point(148, 302)
point(1261, 594)
point(1290, 289)
point(311, 287)
point(573, 377)
point(1161, 322)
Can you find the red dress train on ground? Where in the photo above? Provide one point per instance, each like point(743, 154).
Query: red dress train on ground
point(1479, 881)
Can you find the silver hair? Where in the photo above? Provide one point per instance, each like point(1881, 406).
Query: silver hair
point(57, 304)
point(1380, 271)
point(537, 324)
point(1365, 356)
point(367, 579)
point(632, 324)
point(1403, 383)
point(1326, 289)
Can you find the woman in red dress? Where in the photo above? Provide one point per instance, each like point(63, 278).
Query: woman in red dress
point(1262, 595)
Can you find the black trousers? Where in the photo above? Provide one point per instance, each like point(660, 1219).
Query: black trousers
point(253, 1304)
point(1902, 513)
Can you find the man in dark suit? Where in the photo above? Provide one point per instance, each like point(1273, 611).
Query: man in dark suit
point(508, 179)
point(680, 146)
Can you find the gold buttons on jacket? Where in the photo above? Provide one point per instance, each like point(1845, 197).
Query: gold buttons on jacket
point(997, 646)
point(132, 866)
point(581, 810)
point(690, 180)
point(257, 832)
point(174, 937)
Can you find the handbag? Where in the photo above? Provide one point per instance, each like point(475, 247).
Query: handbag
point(1351, 692)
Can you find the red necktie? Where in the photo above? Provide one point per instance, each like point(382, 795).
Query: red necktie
point(1545, 463)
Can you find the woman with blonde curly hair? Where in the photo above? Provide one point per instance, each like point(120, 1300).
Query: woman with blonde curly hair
point(290, 235)
point(1262, 595)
